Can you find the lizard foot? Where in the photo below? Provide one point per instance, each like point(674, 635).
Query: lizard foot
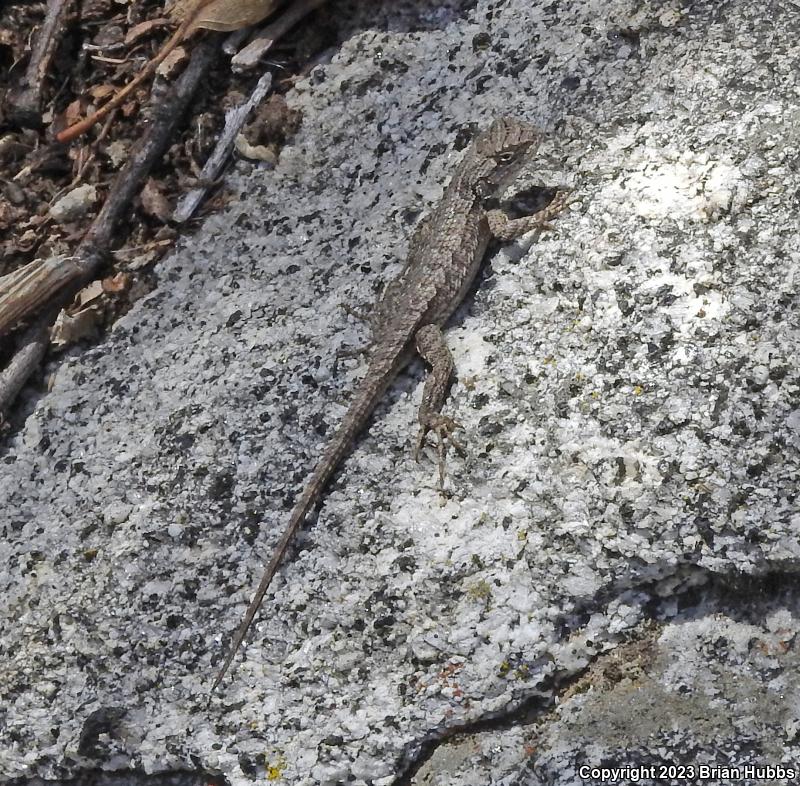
point(345, 353)
point(443, 427)
point(504, 228)
point(563, 198)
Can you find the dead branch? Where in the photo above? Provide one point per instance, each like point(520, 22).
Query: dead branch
point(25, 290)
point(25, 104)
point(29, 354)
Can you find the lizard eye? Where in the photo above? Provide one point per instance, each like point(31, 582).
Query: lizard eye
point(505, 158)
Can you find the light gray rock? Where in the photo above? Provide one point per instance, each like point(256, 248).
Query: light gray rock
point(627, 384)
point(710, 697)
point(74, 204)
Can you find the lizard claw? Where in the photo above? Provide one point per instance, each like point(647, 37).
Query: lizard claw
point(564, 198)
point(443, 427)
point(560, 202)
point(346, 353)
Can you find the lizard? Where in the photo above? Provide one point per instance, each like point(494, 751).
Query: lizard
point(444, 255)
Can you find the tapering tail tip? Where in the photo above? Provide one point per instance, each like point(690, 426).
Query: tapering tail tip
point(225, 666)
point(222, 672)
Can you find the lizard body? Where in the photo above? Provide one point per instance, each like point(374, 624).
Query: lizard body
point(444, 256)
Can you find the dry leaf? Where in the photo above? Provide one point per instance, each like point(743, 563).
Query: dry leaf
point(181, 10)
point(113, 285)
point(69, 328)
point(223, 15)
point(85, 313)
point(171, 62)
point(87, 295)
point(98, 92)
point(139, 258)
point(73, 112)
point(154, 203)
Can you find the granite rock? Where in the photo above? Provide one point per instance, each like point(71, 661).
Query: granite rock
point(627, 384)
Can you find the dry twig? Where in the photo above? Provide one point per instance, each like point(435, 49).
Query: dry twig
point(26, 290)
point(29, 354)
point(234, 120)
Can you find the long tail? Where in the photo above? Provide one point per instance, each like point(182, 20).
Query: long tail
point(369, 393)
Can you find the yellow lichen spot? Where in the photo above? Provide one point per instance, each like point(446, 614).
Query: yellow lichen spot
point(505, 667)
point(638, 390)
point(579, 377)
point(275, 771)
point(480, 591)
point(595, 394)
point(522, 672)
point(522, 534)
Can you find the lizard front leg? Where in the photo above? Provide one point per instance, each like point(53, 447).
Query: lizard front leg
point(431, 346)
point(504, 228)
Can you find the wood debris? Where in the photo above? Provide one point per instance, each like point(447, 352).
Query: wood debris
point(66, 209)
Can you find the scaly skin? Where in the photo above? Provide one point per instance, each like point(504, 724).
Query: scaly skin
point(444, 255)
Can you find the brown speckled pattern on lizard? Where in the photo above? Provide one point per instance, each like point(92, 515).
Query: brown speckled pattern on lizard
point(443, 259)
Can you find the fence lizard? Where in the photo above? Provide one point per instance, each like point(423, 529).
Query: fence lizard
point(445, 252)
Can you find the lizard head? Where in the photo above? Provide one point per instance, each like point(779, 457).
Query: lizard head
point(500, 151)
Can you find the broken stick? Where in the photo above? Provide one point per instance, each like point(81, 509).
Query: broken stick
point(234, 120)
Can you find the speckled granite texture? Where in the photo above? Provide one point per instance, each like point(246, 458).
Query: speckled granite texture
point(628, 386)
point(711, 697)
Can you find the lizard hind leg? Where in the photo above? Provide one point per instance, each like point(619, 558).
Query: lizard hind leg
point(431, 346)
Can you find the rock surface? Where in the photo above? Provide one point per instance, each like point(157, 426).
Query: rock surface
point(710, 697)
point(628, 386)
